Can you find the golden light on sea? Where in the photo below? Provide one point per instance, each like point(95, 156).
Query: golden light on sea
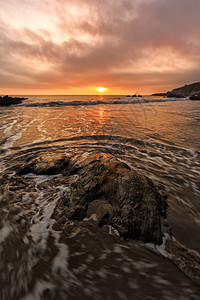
point(101, 89)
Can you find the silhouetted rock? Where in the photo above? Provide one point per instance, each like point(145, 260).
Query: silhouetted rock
point(174, 95)
point(195, 97)
point(7, 101)
point(134, 96)
point(159, 94)
point(182, 92)
point(188, 90)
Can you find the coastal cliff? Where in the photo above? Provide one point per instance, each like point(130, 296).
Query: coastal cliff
point(182, 92)
point(188, 90)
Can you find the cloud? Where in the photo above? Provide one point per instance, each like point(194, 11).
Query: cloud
point(122, 43)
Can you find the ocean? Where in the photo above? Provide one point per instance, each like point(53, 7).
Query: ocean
point(159, 137)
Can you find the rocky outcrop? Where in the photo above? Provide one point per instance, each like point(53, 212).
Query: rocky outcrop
point(174, 95)
point(134, 96)
point(182, 92)
point(90, 200)
point(7, 101)
point(159, 94)
point(195, 97)
point(185, 91)
point(107, 190)
point(188, 90)
point(112, 193)
point(169, 95)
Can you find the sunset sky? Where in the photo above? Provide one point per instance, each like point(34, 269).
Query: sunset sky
point(75, 46)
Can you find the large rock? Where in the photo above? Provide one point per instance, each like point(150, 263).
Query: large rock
point(105, 189)
point(7, 101)
point(112, 193)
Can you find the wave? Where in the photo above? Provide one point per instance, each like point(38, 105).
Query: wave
point(111, 140)
point(99, 102)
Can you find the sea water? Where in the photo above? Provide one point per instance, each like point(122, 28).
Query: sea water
point(159, 137)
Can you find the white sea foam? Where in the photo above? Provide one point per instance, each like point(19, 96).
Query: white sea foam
point(161, 248)
point(99, 102)
point(40, 178)
point(60, 262)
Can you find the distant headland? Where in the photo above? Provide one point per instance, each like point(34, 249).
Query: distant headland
point(191, 90)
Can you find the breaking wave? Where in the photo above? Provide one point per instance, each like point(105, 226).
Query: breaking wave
point(99, 102)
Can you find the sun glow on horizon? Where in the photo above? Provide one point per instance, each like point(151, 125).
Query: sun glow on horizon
point(101, 89)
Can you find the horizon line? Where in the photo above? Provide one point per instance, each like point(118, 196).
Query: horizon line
point(74, 94)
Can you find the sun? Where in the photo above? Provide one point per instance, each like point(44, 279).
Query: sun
point(101, 89)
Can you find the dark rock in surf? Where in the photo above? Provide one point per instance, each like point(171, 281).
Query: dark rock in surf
point(111, 192)
point(135, 96)
point(104, 189)
point(159, 94)
point(7, 101)
point(45, 164)
point(195, 97)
